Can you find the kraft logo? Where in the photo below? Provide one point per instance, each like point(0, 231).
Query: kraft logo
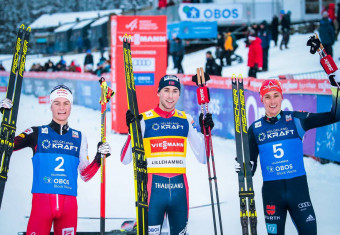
point(271, 228)
point(270, 209)
point(191, 12)
point(132, 25)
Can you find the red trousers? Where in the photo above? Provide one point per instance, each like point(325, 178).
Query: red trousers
point(56, 209)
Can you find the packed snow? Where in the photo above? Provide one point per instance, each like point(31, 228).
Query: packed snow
point(324, 180)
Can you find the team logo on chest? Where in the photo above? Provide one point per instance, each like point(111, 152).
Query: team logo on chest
point(46, 144)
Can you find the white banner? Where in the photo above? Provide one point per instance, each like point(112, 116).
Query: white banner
point(210, 12)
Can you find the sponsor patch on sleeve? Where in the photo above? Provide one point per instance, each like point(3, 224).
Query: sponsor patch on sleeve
point(28, 131)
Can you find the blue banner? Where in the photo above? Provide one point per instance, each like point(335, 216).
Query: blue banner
point(192, 30)
point(146, 79)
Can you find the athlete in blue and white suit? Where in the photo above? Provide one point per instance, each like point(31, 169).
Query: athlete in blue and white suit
point(277, 138)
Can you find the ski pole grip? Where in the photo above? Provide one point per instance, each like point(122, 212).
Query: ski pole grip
point(203, 96)
point(328, 64)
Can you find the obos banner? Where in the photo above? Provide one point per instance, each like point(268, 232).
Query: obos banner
point(148, 50)
point(210, 12)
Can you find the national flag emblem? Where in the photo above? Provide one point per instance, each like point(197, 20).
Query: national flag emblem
point(75, 134)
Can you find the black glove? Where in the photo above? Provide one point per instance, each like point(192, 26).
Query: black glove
point(130, 118)
point(208, 122)
point(102, 148)
point(314, 44)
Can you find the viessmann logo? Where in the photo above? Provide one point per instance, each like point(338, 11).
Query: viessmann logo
point(167, 145)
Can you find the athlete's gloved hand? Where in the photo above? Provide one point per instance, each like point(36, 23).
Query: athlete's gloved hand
point(237, 166)
point(102, 149)
point(130, 117)
point(334, 78)
point(208, 122)
point(5, 104)
point(314, 44)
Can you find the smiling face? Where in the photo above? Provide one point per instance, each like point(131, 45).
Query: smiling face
point(168, 98)
point(61, 110)
point(272, 103)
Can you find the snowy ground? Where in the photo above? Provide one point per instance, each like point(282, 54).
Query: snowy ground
point(324, 180)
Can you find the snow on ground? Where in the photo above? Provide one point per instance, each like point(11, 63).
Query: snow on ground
point(324, 180)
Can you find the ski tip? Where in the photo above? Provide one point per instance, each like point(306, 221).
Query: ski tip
point(127, 38)
point(233, 77)
point(22, 26)
point(28, 29)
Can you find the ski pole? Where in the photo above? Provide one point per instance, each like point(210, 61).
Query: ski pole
point(203, 99)
point(106, 94)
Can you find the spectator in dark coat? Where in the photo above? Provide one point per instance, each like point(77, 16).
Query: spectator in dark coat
point(285, 26)
point(220, 52)
point(338, 21)
point(275, 29)
point(2, 67)
point(255, 53)
point(211, 67)
point(266, 37)
point(177, 49)
point(88, 62)
point(327, 34)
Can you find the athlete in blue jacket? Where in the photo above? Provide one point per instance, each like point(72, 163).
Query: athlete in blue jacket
point(59, 152)
point(277, 138)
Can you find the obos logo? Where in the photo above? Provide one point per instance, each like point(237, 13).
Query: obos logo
point(47, 179)
point(270, 169)
point(46, 144)
point(154, 230)
point(191, 12)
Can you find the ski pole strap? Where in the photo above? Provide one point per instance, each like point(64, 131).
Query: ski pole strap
point(246, 194)
point(203, 95)
point(328, 64)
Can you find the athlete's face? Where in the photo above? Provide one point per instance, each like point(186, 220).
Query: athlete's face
point(61, 109)
point(168, 98)
point(272, 103)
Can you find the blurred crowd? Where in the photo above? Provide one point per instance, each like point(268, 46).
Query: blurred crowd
point(103, 66)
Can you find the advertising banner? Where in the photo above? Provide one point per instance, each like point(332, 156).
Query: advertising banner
point(149, 59)
point(210, 12)
point(192, 30)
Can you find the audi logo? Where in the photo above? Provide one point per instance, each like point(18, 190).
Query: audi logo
point(139, 62)
point(304, 205)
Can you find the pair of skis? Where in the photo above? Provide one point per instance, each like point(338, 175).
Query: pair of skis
point(248, 214)
point(9, 118)
point(139, 158)
point(203, 98)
